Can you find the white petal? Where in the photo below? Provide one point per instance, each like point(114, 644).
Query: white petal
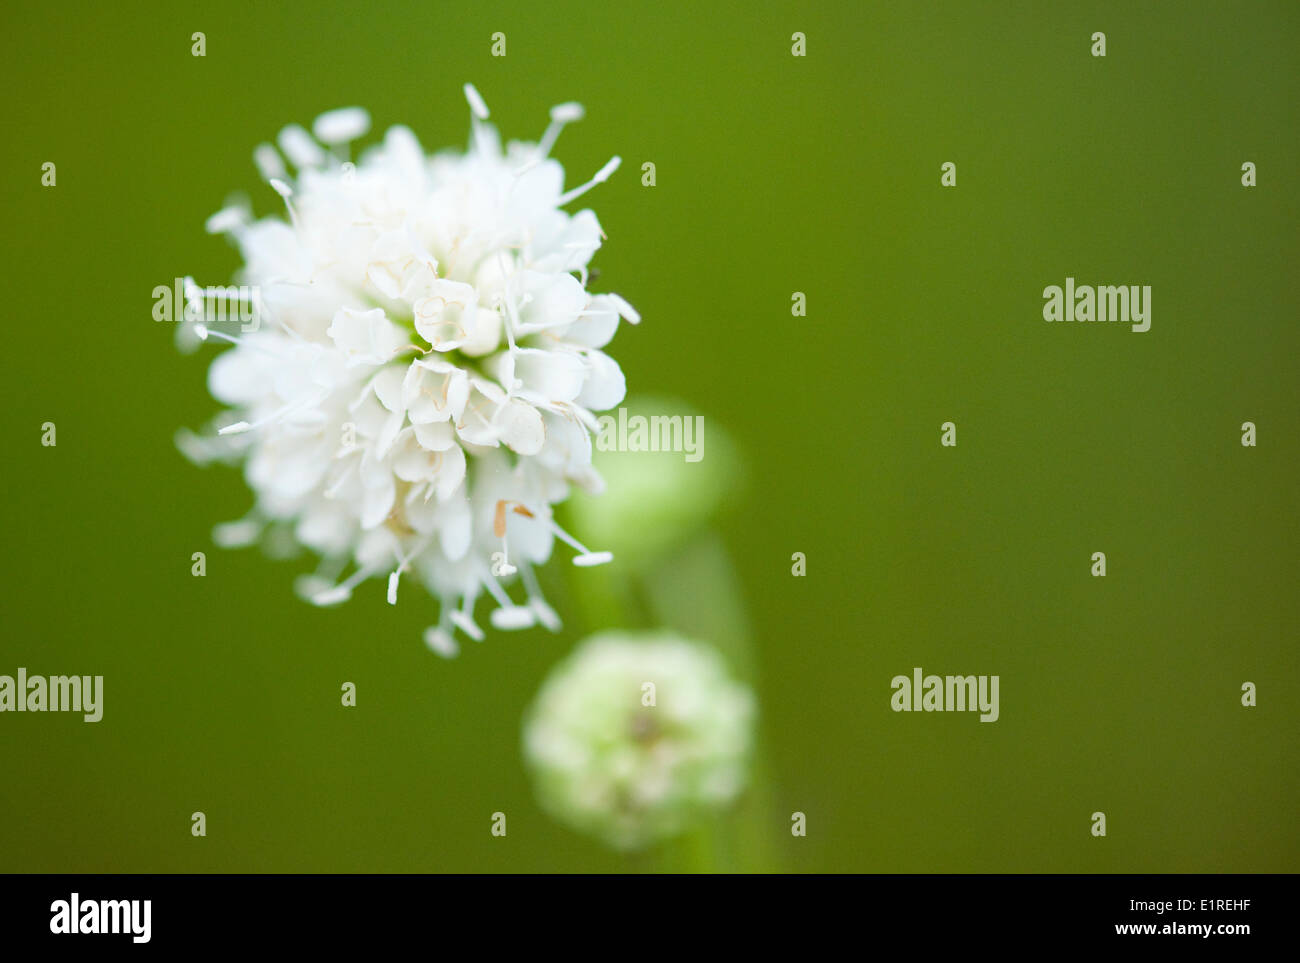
point(566, 243)
point(365, 337)
point(388, 434)
point(238, 377)
point(554, 300)
point(445, 318)
point(388, 388)
point(596, 327)
point(451, 472)
point(458, 394)
point(377, 502)
point(435, 435)
point(434, 390)
point(556, 376)
point(485, 335)
point(398, 263)
point(477, 426)
point(605, 386)
point(411, 461)
point(520, 426)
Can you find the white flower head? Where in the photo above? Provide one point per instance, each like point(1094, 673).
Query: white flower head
point(635, 737)
point(421, 389)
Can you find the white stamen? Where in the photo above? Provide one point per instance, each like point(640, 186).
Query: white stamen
point(403, 563)
point(264, 311)
point(512, 618)
point(527, 167)
point(509, 616)
point(298, 146)
point(440, 641)
point(545, 614)
point(505, 570)
point(537, 602)
point(567, 113)
point(226, 219)
point(467, 625)
point(343, 591)
point(337, 485)
point(322, 580)
point(585, 417)
point(340, 126)
point(237, 534)
point(207, 332)
point(512, 317)
point(201, 450)
point(602, 175)
point(332, 596)
point(195, 302)
point(309, 586)
point(497, 592)
point(204, 332)
point(267, 160)
point(625, 310)
point(286, 192)
point(482, 143)
point(197, 296)
point(586, 556)
point(242, 426)
point(477, 105)
point(561, 114)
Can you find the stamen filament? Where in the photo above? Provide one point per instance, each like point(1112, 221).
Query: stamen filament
point(602, 175)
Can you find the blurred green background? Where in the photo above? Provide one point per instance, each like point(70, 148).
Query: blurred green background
point(775, 174)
